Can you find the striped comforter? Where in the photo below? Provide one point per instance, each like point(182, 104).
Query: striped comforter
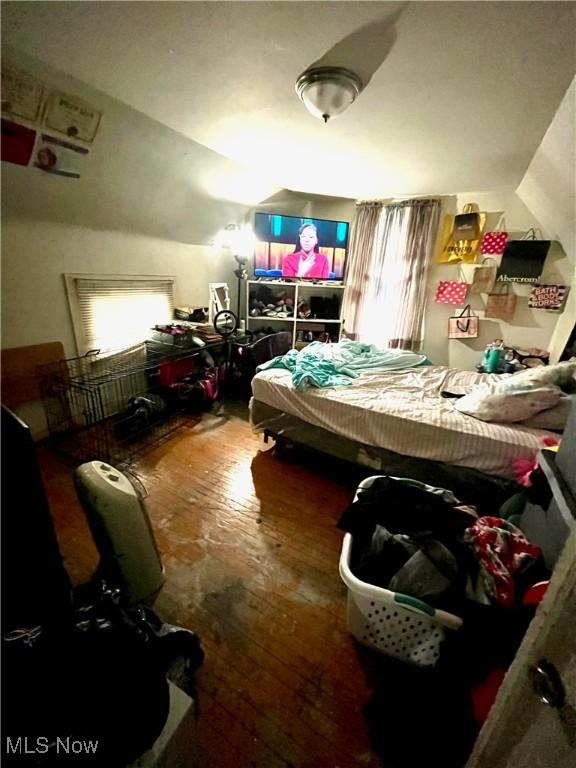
point(403, 411)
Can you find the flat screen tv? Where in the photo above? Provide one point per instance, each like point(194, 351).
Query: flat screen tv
point(301, 248)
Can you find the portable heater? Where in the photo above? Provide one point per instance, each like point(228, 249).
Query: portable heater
point(119, 523)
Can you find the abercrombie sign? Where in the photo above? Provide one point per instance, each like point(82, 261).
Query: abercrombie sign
point(42, 745)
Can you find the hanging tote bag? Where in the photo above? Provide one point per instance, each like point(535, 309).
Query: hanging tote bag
point(484, 277)
point(451, 249)
point(523, 260)
point(494, 243)
point(464, 325)
point(501, 303)
point(547, 297)
point(451, 292)
point(467, 224)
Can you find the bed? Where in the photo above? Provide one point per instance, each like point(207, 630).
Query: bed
point(397, 422)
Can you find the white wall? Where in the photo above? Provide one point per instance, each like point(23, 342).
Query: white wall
point(529, 328)
point(149, 201)
point(37, 253)
point(549, 185)
point(142, 205)
point(549, 188)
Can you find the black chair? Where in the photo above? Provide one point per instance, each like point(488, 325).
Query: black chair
point(247, 357)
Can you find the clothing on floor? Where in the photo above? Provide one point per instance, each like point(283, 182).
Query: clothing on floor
point(502, 550)
point(419, 540)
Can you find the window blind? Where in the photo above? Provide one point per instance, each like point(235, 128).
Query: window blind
point(114, 313)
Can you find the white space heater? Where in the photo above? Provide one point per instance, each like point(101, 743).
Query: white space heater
point(119, 523)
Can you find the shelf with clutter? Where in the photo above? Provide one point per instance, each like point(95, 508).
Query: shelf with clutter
point(311, 311)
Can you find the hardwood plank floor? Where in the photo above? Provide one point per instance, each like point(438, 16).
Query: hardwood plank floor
point(250, 547)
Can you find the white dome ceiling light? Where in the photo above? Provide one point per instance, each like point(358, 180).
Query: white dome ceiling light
point(328, 91)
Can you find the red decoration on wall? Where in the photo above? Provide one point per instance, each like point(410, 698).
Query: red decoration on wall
point(17, 143)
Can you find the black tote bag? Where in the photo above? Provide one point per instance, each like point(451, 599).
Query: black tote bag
point(523, 260)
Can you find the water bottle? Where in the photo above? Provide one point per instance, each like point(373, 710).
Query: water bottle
point(483, 367)
point(494, 356)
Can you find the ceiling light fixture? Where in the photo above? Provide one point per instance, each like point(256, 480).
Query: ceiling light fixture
point(328, 91)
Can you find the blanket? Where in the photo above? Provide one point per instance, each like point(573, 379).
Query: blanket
point(333, 365)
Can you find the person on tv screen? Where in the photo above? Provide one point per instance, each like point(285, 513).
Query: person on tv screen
point(307, 259)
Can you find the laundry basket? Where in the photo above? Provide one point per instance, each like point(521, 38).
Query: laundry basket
point(395, 624)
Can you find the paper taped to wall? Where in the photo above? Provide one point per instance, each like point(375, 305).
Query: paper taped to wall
point(53, 155)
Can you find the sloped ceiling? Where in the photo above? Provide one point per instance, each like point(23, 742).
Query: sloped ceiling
point(458, 95)
point(549, 185)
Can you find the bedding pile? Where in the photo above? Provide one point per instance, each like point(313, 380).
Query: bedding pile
point(333, 365)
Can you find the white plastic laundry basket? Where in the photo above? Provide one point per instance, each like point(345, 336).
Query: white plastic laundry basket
point(398, 625)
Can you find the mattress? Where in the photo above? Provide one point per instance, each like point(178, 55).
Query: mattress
point(403, 411)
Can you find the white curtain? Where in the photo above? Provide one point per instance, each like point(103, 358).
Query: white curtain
point(390, 312)
point(359, 265)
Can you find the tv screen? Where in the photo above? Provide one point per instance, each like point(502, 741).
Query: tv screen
point(299, 247)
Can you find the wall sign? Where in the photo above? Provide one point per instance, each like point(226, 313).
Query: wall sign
point(71, 117)
point(547, 296)
point(21, 93)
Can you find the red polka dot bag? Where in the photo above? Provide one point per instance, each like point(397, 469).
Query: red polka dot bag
point(451, 292)
point(494, 243)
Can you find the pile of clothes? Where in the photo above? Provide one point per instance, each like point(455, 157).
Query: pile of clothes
point(422, 541)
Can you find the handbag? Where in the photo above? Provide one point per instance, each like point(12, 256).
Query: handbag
point(451, 292)
point(523, 260)
point(464, 325)
point(484, 277)
point(547, 296)
point(501, 304)
point(494, 243)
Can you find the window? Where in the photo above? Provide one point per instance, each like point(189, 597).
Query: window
point(114, 311)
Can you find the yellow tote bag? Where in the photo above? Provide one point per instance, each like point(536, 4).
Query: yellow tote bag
point(452, 251)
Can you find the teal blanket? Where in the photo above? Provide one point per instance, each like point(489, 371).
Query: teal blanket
point(333, 365)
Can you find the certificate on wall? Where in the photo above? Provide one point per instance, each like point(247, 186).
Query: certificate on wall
point(58, 157)
point(21, 93)
point(71, 117)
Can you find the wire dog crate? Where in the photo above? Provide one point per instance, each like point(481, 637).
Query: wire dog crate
point(115, 406)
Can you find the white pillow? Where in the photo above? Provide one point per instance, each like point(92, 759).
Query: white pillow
point(508, 406)
point(561, 374)
point(552, 418)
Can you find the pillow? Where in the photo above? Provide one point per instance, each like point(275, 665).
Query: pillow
point(508, 406)
point(562, 375)
point(552, 418)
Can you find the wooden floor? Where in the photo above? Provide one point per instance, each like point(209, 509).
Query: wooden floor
point(250, 546)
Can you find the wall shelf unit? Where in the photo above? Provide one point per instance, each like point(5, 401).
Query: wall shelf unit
point(323, 300)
